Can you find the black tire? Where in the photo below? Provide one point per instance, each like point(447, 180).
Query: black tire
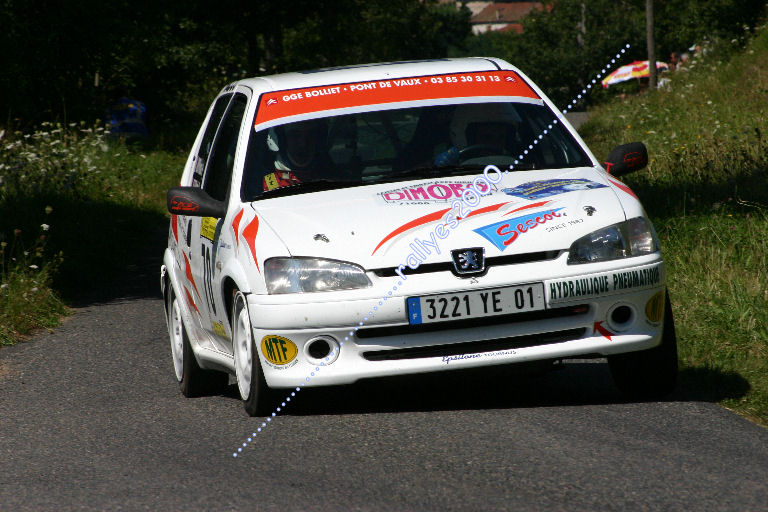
point(649, 374)
point(260, 397)
point(194, 380)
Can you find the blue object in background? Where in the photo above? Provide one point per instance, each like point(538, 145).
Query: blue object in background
point(128, 117)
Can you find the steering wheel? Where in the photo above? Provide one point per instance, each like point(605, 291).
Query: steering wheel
point(478, 150)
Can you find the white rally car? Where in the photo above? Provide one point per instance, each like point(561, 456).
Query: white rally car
point(403, 218)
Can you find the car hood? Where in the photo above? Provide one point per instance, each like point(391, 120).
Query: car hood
point(379, 226)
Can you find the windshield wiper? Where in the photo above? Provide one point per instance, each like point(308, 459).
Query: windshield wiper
point(308, 186)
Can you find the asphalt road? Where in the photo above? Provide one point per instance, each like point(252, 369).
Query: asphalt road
point(91, 418)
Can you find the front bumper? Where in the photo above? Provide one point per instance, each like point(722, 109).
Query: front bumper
point(591, 310)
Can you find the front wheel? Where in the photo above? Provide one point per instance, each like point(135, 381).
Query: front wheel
point(193, 380)
point(649, 374)
point(256, 395)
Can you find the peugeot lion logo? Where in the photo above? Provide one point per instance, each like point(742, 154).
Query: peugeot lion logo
point(469, 261)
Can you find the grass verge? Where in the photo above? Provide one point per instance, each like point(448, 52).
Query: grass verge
point(75, 207)
point(706, 189)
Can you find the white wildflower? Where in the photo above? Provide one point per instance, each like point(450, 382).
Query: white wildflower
point(33, 267)
point(45, 227)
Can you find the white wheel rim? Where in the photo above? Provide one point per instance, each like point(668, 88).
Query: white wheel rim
point(242, 349)
point(177, 339)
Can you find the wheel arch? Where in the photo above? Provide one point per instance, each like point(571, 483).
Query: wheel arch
point(234, 279)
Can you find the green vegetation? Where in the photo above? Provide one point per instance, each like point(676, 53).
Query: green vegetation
point(706, 190)
point(565, 46)
point(76, 208)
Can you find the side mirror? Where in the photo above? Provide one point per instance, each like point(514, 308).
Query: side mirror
point(195, 202)
point(626, 158)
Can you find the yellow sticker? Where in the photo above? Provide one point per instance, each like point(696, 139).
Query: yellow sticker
point(271, 181)
point(208, 228)
point(218, 329)
point(654, 310)
point(278, 350)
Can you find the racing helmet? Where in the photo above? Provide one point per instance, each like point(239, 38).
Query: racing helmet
point(296, 145)
point(472, 122)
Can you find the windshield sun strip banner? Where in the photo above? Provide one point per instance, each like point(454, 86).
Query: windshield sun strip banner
point(293, 102)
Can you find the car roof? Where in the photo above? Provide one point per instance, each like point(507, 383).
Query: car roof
point(368, 72)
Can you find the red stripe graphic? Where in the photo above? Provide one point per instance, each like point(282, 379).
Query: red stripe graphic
point(532, 205)
point(249, 235)
point(236, 226)
point(188, 272)
point(191, 301)
point(431, 218)
point(623, 187)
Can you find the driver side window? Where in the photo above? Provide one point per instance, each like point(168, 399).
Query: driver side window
point(222, 155)
point(207, 143)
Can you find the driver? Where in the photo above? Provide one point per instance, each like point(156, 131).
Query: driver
point(483, 125)
point(298, 154)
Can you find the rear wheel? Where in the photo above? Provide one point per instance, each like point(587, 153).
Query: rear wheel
point(256, 395)
point(649, 374)
point(193, 380)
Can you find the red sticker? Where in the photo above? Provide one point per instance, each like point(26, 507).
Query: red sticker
point(291, 102)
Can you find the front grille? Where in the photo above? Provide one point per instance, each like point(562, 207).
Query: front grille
point(476, 347)
point(547, 314)
point(512, 259)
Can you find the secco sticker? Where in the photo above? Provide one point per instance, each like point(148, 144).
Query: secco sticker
point(502, 234)
point(278, 350)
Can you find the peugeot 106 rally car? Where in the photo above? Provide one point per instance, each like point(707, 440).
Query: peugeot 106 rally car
point(401, 218)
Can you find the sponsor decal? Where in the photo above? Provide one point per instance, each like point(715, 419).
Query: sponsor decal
point(182, 205)
point(208, 228)
point(277, 350)
point(654, 309)
point(590, 210)
point(604, 284)
point(498, 353)
point(503, 234)
point(430, 192)
point(636, 278)
point(293, 102)
point(548, 188)
point(218, 329)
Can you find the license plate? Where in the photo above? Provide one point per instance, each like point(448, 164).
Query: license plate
point(477, 303)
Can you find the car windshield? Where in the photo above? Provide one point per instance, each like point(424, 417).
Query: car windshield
point(394, 144)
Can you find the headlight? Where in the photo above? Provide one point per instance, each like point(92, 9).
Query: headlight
point(634, 237)
point(306, 275)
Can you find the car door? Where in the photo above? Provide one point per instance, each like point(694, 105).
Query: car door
point(213, 172)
